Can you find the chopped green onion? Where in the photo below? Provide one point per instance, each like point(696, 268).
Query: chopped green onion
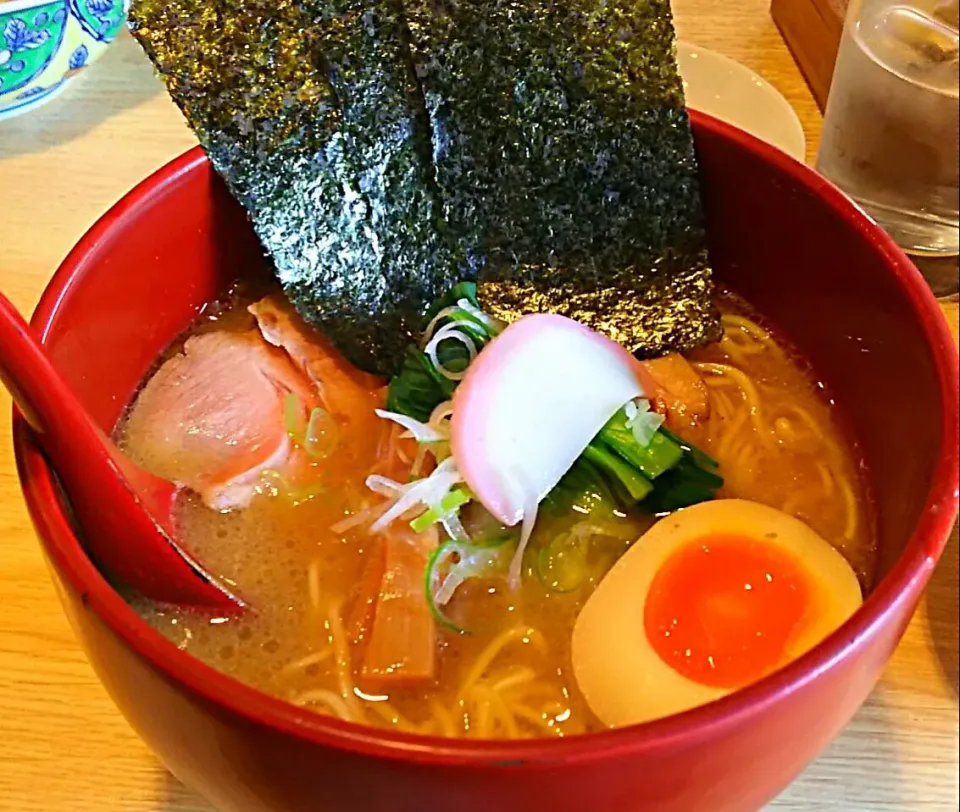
point(280, 484)
point(431, 576)
point(451, 502)
point(279, 481)
point(452, 564)
point(562, 564)
point(293, 417)
point(322, 434)
point(306, 494)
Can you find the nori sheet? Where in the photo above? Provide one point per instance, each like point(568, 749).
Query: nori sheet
point(564, 156)
point(384, 125)
point(309, 110)
point(388, 149)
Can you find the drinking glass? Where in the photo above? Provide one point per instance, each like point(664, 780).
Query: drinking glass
point(890, 131)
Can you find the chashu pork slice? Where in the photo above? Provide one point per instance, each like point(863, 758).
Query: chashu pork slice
point(212, 417)
point(344, 391)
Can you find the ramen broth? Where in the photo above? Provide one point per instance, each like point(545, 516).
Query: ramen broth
point(778, 441)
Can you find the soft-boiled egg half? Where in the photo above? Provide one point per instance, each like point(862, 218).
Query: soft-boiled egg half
point(709, 600)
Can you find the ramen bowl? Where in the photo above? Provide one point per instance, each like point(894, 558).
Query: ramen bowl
point(780, 235)
point(46, 43)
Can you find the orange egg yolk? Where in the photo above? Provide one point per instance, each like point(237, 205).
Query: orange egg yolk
point(722, 610)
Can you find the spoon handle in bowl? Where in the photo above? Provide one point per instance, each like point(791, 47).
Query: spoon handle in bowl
point(23, 367)
point(131, 511)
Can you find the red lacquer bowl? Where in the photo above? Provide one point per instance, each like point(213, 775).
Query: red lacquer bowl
point(785, 239)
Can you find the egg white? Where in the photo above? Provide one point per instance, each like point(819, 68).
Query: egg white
point(618, 671)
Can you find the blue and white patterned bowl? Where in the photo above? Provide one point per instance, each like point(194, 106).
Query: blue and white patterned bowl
point(45, 43)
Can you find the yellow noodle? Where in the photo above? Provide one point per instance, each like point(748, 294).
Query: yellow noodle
point(391, 715)
point(826, 479)
point(746, 387)
point(746, 460)
point(305, 662)
point(341, 648)
point(313, 583)
point(739, 351)
point(849, 500)
point(481, 727)
point(850, 505)
point(721, 404)
point(713, 381)
point(503, 713)
point(518, 677)
point(750, 327)
point(731, 350)
point(487, 713)
point(533, 693)
point(722, 412)
point(536, 720)
point(328, 699)
point(807, 418)
point(851, 518)
point(497, 645)
point(784, 429)
point(729, 436)
point(443, 718)
point(817, 431)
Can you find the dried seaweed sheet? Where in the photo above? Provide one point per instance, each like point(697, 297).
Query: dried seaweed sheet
point(565, 162)
point(309, 111)
point(387, 149)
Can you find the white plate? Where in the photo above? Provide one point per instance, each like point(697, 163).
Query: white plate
point(720, 87)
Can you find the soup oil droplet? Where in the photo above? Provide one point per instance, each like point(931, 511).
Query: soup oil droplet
point(723, 611)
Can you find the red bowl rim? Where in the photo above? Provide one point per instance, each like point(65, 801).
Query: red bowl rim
point(903, 583)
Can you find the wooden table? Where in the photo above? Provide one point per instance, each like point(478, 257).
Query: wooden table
point(63, 746)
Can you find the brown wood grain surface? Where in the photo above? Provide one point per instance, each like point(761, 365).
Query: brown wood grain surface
point(63, 745)
point(812, 29)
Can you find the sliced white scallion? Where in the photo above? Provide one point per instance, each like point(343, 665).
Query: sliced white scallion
point(450, 332)
point(421, 457)
point(450, 519)
point(428, 333)
point(384, 485)
point(452, 565)
point(421, 432)
point(452, 502)
point(428, 491)
point(641, 421)
point(477, 314)
point(471, 318)
point(526, 530)
point(440, 414)
point(433, 436)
